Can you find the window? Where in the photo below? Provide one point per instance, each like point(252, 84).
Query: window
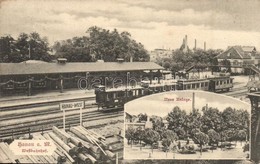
point(206, 84)
point(193, 86)
point(202, 84)
point(220, 82)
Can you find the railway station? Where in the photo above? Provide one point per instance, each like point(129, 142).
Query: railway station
point(33, 92)
point(32, 77)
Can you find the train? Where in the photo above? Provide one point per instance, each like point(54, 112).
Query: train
point(117, 97)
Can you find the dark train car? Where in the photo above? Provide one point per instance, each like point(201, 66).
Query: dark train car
point(193, 84)
point(116, 97)
point(221, 83)
point(157, 88)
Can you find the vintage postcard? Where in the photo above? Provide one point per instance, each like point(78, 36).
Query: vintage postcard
point(119, 81)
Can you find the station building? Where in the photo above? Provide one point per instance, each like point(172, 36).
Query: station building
point(32, 77)
point(240, 58)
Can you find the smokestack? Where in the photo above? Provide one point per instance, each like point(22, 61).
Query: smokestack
point(186, 42)
point(195, 46)
point(193, 102)
point(204, 46)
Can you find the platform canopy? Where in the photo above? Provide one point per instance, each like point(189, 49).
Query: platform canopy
point(52, 68)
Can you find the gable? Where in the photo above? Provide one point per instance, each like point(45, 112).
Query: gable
point(231, 53)
point(235, 52)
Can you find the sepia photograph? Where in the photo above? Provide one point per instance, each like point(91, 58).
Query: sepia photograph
point(119, 81)
point(187, 125)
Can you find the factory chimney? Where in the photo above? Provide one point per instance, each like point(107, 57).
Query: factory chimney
point(204, 46)
point(193, 102)
point(195, 46)
point(186, 43)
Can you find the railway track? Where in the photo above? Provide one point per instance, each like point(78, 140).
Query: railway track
point(45, 125)
point(41, 103)
point(18, 120)
point(237, 92)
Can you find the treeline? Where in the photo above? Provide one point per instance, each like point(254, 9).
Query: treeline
point(229, 125)
point(199, 58)
point(101, 44)
point(210, 127)
point(26, 46)
point(97, 44)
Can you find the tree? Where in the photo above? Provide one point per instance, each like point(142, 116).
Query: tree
point(142, 117)
point(226, 63)
point(139, 134)
point(109, 46)
point(170, 135)
point(180, 132)
point(26, 47)
point(39, 47)
point(193, 121)
point(74, 50)
point(129, 134)
point(151, 137)
point(242, 135)
point(176, 118)
point(214, 137)
point(101, 44)
point(166, 144)
point(211, 119)
point(158, 124)
point(215, 67)
point(7, 48)
point(202, 139)
point(230, 118)
point(183, 59)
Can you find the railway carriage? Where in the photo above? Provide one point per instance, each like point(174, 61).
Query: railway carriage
point(193, 84)
point(116, 97)
point(222, 83)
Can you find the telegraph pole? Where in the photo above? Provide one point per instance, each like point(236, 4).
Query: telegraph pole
point(29, 51)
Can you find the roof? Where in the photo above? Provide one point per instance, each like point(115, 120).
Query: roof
point(234, 52)
point(50, 68)
point(248, 48)
point(129, 116)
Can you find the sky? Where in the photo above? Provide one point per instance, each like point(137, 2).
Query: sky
point(156, 104)
point(154, 23)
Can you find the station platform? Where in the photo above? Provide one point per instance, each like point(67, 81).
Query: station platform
point(240, 81)
point(53, 96)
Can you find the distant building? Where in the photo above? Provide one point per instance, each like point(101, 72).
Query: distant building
point(184, 47)
point(160, 53)
point(131, 121)
point(239, 57)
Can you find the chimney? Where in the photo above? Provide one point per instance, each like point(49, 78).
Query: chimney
point(204, 46)
point(193, 102)
point(186, 42)
point(195, 46)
